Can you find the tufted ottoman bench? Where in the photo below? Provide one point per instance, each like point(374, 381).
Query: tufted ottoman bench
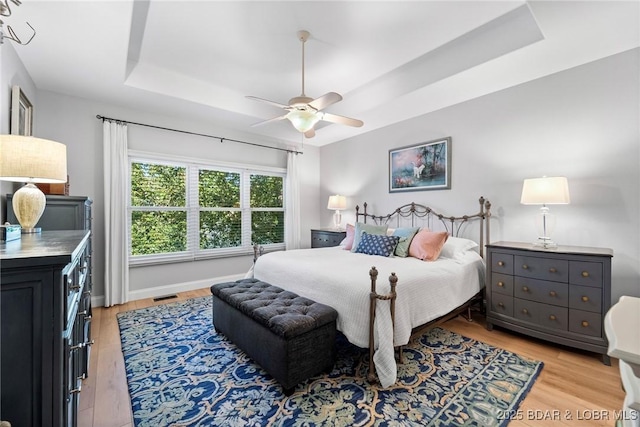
point(291, 337)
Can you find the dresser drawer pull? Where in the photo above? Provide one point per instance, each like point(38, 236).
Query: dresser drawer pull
point(585, 274)
point(585, 324)
point(553, 294)
point(82, 345)
point(525, 267)
point(525, 311)
point(585, 298)
point(552, 317)
point(501, 304)
point(553, 270)
point(79, 389)
point(501, 263)
point(525, 289)
point(500, 284)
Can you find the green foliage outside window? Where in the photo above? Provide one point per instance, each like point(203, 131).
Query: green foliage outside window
point(158, 185)
point(266, 191)
point(159, 208)
point(155, 232)
point(267, 227)
point(220, 229)
point(219, 189)
point(158, 232)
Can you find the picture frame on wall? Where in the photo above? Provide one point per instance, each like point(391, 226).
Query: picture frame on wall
point(424, 166)
point(21, 113)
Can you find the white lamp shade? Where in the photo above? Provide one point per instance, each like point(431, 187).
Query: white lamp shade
point(337, 202)
point(303, 120)
point(545, 191)
point(29, 159)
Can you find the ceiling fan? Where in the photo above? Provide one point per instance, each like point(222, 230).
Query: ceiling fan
point(304, 112)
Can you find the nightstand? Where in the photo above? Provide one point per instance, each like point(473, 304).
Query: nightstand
point(560, 295)
point(326, 237)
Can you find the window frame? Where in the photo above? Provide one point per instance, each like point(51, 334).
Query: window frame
point(193, 166)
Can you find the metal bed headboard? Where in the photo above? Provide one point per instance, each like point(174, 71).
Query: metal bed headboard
point(452, 224)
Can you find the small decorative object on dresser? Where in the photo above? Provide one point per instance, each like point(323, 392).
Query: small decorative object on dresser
point(560, 295)
point(326, 237)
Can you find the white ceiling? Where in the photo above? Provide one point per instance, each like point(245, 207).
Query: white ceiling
point(390, 60)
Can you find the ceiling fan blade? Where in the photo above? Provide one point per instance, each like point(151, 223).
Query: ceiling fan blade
point(310, 133)
point(264, 122)
point(325, 100)
point(277, 104)
point(334, 118)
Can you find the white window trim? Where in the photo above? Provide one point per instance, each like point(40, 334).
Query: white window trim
point(193, 251)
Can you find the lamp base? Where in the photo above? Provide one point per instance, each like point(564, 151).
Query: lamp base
point(33, 230)
point(545, 243)
point(337, 219)
point(28, 205)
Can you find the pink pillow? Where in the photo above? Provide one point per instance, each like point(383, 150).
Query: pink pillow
point(426, 245)
point(347, 242)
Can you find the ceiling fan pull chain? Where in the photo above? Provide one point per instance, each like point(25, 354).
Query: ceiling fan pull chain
point(303, 35)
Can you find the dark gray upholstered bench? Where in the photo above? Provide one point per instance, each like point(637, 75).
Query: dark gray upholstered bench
point(291, 337)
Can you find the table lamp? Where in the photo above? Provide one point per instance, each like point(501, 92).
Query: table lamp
point(545, 191)
point(337, 203)
point(31, 160)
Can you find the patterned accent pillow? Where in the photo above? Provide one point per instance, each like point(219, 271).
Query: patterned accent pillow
point(375, 244)
point(369, 228)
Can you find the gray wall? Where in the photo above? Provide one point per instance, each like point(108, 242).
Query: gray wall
point(12, 72)
point(583, 123)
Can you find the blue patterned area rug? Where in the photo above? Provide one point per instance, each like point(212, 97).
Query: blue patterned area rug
point(182, 373)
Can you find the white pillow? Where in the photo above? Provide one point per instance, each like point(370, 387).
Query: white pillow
point(455, 246)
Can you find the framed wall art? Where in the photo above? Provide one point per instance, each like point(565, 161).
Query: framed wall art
point(21, 113)
point(425, 166)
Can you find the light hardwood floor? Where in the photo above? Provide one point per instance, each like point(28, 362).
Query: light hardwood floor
point(574, 388)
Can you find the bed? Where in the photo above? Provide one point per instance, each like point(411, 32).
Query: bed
point(384, 315)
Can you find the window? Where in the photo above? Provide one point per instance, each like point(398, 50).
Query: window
point(183, 210)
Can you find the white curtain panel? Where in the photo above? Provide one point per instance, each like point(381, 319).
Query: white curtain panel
point(292, 209)
point(116, 177)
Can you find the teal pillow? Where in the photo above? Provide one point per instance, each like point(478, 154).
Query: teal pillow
point(406, 235)
point(369, 228)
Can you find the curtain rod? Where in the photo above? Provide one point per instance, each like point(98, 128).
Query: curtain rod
point(199, 134)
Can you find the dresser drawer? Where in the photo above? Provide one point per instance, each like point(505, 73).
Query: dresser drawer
point(325, 238)
point(585, 323)
point(585, 298)
point(541, 314)
point(541, 291)
point(502, 284)
point(585, 273)
point(502, 304)
point(553, 317)
point(502, 263)
point(553, 269)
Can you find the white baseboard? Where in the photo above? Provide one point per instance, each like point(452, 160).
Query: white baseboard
point(160, 291)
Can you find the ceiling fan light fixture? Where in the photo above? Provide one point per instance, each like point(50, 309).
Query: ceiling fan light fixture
point(303, 120)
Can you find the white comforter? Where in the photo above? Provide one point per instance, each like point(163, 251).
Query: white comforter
point(340, 279)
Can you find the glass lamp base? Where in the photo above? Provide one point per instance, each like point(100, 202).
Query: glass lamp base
point(31, 230)
point(337, 219)
point(545, 242)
